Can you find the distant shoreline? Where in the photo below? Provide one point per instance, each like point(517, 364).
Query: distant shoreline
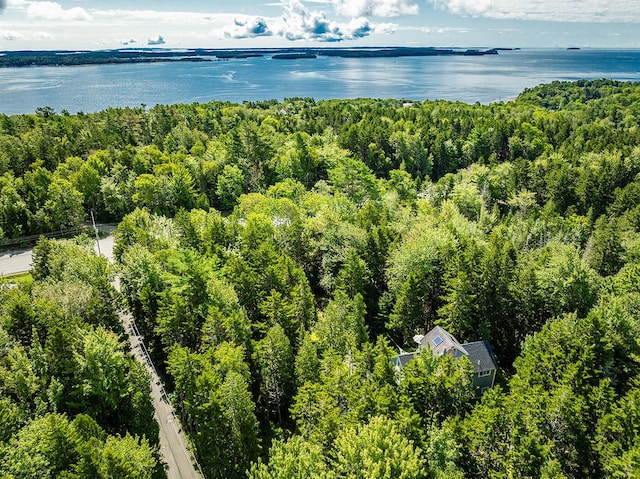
point(468, 79)
point(29, 58)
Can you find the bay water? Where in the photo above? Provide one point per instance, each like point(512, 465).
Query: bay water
point(469, 79)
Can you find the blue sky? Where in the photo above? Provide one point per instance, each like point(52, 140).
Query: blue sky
point(92, 24)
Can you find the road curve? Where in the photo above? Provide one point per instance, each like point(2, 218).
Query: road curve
point(178, 462)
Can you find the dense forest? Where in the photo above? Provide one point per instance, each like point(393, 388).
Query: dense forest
point(276, 256)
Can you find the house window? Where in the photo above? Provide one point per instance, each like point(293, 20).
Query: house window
point(482, 374)
point(437, 341)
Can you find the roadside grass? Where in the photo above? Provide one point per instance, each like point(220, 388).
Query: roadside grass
point(19, 278)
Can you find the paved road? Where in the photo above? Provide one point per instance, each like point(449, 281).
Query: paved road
point(12, 262)
point(19, 260)
point(173, 447)
point(106, 247)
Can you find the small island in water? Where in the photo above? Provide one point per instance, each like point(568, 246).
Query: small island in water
point(25, 58)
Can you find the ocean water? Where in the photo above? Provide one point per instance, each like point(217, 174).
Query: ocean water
point(471, 79)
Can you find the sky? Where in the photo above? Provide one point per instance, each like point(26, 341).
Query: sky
point(96, 25)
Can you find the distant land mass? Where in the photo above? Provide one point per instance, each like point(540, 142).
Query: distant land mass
point(26, 58)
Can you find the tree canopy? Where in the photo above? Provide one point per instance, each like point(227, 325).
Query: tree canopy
point(276, 256)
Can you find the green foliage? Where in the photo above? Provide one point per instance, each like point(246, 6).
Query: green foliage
point(44, 448)
point(185, 305)
point(216, 407)
point(126, 457)
point(230, 186)
point(347, 225)
point(72, 402)
point(341, 325)
point(353, 179)
point(52, 446)
point(377, 450)
point(437, 387)
point(617, 435)
point(415, 276)
point(294, 458)
point(307, 362)
point(274, 359)
point(605, 251)
point(63, 208)
point(69, 260)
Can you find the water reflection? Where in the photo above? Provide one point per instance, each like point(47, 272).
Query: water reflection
point(469, 79)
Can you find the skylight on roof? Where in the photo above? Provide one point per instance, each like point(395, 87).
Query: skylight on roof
point(437, 341)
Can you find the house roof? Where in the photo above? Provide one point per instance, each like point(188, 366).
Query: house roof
point(440, 341)
point(403, 358)
point(481, 356)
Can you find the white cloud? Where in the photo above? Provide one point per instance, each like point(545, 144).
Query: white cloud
point(173, 18)
point(54, 11)
point(376, 8)
point(357, 28)
point(43, 36)
point(299, 23)
point(159, 40)
point(248, 28)
point(304, 20)
point(384, 28)
point(590, 11)
point(10, 35)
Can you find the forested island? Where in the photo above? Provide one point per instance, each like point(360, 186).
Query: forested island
point(154, 55)
point(277, 255)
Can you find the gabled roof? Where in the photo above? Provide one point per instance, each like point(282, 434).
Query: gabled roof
point(403, 358)
point(440, 342)
point(481, 356)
